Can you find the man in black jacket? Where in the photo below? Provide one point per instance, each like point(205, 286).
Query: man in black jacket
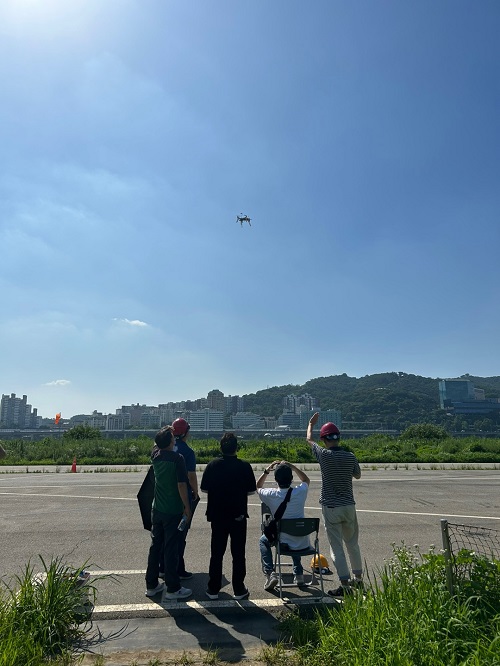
point(228, 481)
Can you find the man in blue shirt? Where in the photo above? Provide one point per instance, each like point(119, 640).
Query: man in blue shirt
point(181, 432)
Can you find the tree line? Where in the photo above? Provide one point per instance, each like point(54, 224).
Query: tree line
point(395, 400)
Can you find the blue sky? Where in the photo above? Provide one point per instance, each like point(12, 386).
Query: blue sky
point(362, 138)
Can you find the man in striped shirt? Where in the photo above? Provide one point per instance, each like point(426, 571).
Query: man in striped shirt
point(338, 468)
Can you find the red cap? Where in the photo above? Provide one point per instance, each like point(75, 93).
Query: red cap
point(330, 431)
point(181, 427)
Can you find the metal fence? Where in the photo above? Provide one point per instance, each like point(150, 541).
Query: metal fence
point(457, 539)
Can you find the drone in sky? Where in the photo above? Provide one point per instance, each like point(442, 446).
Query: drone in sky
point(243, 218)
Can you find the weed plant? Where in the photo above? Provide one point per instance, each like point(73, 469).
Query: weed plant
point(409, 618)
point(378, 448)
point(43, 616)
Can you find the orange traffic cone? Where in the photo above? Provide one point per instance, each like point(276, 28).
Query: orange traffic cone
point(73, 466)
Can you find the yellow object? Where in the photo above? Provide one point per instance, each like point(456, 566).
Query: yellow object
point(323, 562)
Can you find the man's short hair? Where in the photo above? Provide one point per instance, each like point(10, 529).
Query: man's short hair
point(228, 443)
point(283, 475)
point(164, 437)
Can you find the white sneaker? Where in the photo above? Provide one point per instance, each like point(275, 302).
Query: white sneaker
point(271, 581)
point(298, 579)
point(180, 594)
point(152, 591)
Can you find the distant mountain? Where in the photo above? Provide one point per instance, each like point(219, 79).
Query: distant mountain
point(393, 399)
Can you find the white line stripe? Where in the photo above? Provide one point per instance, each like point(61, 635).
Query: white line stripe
point(309, 508)
point(414, 513)
point(49, 495)
point(197, 606)
point(72, 485)
point(433, 479)
point(118, 572)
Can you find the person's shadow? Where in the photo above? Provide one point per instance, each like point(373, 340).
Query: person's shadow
point(257, 624)
point(212, 635)
point(231, 628)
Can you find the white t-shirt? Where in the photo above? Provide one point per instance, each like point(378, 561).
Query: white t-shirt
point(294, 509)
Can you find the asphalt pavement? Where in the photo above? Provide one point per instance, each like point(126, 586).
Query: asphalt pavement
point(91, 519)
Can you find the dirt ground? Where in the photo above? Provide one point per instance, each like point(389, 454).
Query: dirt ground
point(169, 658)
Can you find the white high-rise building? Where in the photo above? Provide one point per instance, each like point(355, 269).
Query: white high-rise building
point(247, 420)
point(207, 420)
point(292, 403)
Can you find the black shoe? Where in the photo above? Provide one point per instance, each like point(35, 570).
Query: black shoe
point(185, 575)
point(341, 591)
point(212, 595)
point(242, 595)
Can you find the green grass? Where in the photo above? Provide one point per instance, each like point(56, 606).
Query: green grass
point(42, 617)
point(380, 449)
point(408, 618)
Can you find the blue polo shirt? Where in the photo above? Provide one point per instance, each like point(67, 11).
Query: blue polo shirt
point(189, 456)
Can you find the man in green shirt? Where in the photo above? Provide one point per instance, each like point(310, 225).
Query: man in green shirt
point(170, 504)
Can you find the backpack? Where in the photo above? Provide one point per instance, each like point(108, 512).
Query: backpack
point(269, 526)
point(145, 497)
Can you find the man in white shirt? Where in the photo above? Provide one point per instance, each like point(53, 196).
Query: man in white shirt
point(273, 497)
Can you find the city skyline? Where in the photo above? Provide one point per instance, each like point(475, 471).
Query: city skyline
point(362, 139)
point(290, 401)
point(17, 412)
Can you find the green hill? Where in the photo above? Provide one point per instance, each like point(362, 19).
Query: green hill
point(393, 399)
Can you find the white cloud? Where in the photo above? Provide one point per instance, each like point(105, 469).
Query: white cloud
point(58, 382)
point(132, 322)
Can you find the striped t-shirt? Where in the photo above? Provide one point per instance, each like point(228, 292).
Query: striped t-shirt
point(337, 469)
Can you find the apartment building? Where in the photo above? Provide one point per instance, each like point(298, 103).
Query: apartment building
point(17, 413)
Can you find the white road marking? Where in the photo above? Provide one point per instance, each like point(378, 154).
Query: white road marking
point(432, 479)
point(308, 508)
point(197, 606)
point(118, 572)
point(415, 513)
point(72, 485)
point(49, 495)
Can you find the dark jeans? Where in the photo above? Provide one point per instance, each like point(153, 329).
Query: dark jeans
point(236, 530)
point(164, 549)
point(266, 556)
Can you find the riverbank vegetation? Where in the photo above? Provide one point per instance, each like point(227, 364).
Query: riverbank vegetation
point(424, 443)
point(43, 616)
point(405, 615)
point(407, 618)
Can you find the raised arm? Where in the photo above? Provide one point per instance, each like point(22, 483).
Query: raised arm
point(267, 470)
point(302, 475)
point(312, 422)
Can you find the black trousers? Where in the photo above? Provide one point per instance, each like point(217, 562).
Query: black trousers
point(164, 550)
point(236, 530)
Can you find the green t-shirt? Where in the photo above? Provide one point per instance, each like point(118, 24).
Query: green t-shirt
point(170, 469)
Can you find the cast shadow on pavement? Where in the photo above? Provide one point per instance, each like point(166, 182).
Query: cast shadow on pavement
point(95, 637)
point(232, 632)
